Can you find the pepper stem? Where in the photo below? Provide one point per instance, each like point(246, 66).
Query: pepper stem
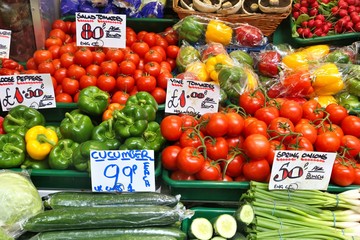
point(70, 117)
point(19, 122)
point(67, 152)
point(43, 139)
point(8, 148)
point(128, 121)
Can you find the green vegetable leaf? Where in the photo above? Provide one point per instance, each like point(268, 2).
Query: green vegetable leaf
point(302, 18)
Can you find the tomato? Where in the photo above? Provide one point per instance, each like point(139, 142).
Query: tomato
point(172, 51)
point(351, 125)
point(131, 39)
point(106, 82)
point(251, 101)
point(235, 142)
point(342, 174)
point(94, 70)
point(125, 83)
point(160, 50)
point(83, 57)
point(256, 170)
point(59, 24)
point(46, 67)
point(57, 64)
point(137, 74)
point(30, 64)
point(140, 35)
point(63, 97)
point(146, 83)
point(210, 171)
point(127, 67)
point(274, 146)
point(235, 124)
point(60, 74)
point(42, 55)
point(86, 81)
point(292, 110)
point(233, 165)
point(54, 49)
point(256, 146)
point(59, 33)
point(266, 114)
point(67, 59)
point(216, 148)
point(54, 82)
point(190, 160)
point(281, 129)
point(336, 113)
point(53, 41)
point(171, 127)
point(172, 63)
point(98, 56)
point(168, 157)
point(120, 97)
point(140, 48)
point(152, 68)
point(150, 38)
point(153, 56)
point(70, 86)
point(357, 174)
point(181, 176)
point(350, 146)
point(306, 130)
point(159, 95)
point(67, 48)
point(133, 57)
point(75, 71)
point(226, 178)
point(312, 110)
point(73, 27)
point(191, 138)
point(115, 55)
point(300, 144)
point(218, 125)
point(188, 121)
point(327, 142)
point(162, 79)
point(109, 67)
point(171, 36)
point(331, 128)
point(256, 126)
point(161, 41)
point(165, 67)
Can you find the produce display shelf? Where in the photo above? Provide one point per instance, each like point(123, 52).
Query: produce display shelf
point(213, 191)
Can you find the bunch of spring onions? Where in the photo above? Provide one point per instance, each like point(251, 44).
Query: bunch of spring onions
point(300, 214)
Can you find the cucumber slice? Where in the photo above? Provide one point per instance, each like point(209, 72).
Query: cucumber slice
point(218, 238)
point(225, 225)
point(245, 214)
point(201, 228)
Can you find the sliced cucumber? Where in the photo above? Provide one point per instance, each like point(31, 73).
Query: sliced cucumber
point(201, 228)
point(245, 214)
point(218, 238)
point(225, 225)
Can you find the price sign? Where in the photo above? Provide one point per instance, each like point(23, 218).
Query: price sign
point(33, 90)
point(122, 171)
point(191, 97)
point(100, 30)
point(5, 38)
point(301, 170)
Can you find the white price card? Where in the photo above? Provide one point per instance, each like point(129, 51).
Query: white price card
point(32, 90)
point(5, 39)
point(100, 30)
point(122, 171)
point(191, 97)
point(292, 170)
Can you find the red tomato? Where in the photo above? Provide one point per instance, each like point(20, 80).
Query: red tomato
point(109, 67)
point(170, 127)
point(159, 95)
point(63, 97)
point(150, 38)
point(59, 24)
point(120, 97)
point(127, 67)
point(292, 110)
point(94, 70)
point(300, 144)
point(351, 125)
point(160, 50)
point(181, 176)
point(350, 146)
point(306, 130)
point(42, 55)
point(60, 74)
point(30, 64)
point(67, 59)
point(67, 48)
point(106, 82)
point(266, 114)
point(133, 57)
point(46, 67)
point(125, 83)
point(114, 54)
point(171, 36)
point(191, 138)
point(162, 79)
point(161, 42)
point(210, 171)
point(140, 35)
point(235, 142)
point(342, 174)
point(281, 129)
point(52, 41)
point(168, 157)
point(59, 33)
point(357, 174)
point(256, 146)
point(327, 142)
point(312, 110)
point(336, 113)
point(83, 57)
point(252, 101)
point(86, 81)
point(218, 125)
point(188, 121)
point(233, 165)
point(256, 170)
point(331, 128)
point(75, 71)
point(152, 68)
point(140, 48)
point(216, 148)
point(172, 51)
point(98, 56)
point(274, 146)
point(236, 124)
point(190, 160)
point(256, 126)
point(146, 83)
point(70, 86)
point(153, 56)
point(54, 49)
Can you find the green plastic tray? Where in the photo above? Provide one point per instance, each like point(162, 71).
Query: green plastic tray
point(205, 212)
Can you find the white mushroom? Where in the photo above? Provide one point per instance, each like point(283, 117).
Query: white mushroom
point(205, 6)
point(227, 9)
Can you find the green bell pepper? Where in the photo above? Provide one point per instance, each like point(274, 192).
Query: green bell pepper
point(81, 155)
point(348, 101)
point(93, 100)
point(337, 56)
point(232, 81)
point(21, 118)
point(77, 127)
point(105, 132)
point(146, 101)
point(353, 86)
point(153, 138)
point(12, 150)
point(186, 56)
point(60, 156)
point(134, 143)
point(57, 130)
point(190, 29)
point(30, 163)
point(131, 121)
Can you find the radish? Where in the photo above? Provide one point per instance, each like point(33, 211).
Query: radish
point(296, 6)
point(304, 10)
point(318, 23)
point(305, 24)
point(311, 23)
point(343, 12)
point(304, 3)
point(349, 26)
point(342, 4)
point(318, 31)
point(335, 10)
point(357, 27)
point(351, 9)
point(355, 19)
point(320, 17)
point(314, 5)
point(313, 12)
point(350, 2)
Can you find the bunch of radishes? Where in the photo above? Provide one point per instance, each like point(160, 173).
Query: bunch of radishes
point(318, 18)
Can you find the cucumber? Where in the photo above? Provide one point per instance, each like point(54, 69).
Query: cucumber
point(218, 238)
point(95, 199)
point(103, 217)
point(131, 237)
point(244, 216)
point(225, 225)
point(169, 232)
point(238, 236)
point(201, 228)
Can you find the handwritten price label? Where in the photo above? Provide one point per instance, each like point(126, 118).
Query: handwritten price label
point(100, 30)
point(34, 90)
point(5, 39)
point(191, 97)
point(301, 170)
point(122, 171)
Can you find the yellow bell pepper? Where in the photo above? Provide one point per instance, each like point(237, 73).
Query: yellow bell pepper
point(325, 100)
point(327, 80)
point(214, 64)
point(199, 69)
point(316, 52)
point(296, 61)
point(39, 141)
point(218, 31)
point(252, 82)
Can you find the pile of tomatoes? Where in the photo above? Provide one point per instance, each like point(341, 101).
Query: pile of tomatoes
point(237, 143)
point(144, 65)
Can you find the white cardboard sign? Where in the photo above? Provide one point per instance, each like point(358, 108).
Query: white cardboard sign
point(5, 39)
